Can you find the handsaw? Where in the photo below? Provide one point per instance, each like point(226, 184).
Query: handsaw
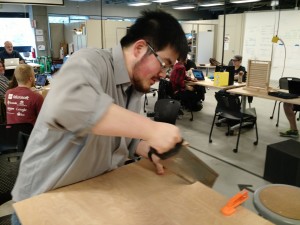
point(182, 162)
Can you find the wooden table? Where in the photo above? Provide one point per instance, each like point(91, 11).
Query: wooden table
point(209, 83)
point(261, 94)
point(132, 195)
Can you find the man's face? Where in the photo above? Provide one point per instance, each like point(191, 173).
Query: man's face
point(236, 62)
point(8, 48)
point(148, 69)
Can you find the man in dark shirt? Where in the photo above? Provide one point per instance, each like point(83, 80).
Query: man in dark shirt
point(9, 52)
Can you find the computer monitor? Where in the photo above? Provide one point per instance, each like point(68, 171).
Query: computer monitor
point(198, 74)
point(229, 69)
point(41, 80)
point(294, 87)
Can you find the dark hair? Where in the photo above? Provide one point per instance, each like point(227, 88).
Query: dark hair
point(160, 29)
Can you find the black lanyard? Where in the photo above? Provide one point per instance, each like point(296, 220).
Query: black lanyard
point(128, 93)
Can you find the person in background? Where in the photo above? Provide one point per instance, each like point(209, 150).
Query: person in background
point(189, 64)
point(3, 80)
point(13, 82)
point(9, 52)
point(290, 115)
point(187, 94)
point(22, 104)
point(92, 124)
point(239, 70)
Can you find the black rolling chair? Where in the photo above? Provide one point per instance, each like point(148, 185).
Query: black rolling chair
point(166, 110)
point(284, 84)
point(10, 135)
point(2, 111)
point(229, 107)
point(13, 140)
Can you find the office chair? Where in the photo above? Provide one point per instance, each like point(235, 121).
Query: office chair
point(10, 135)
point(2, 111)
point(284, 84)
point(229, 107)
point(166, 110)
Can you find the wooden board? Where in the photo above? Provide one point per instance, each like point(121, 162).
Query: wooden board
point(132, 195)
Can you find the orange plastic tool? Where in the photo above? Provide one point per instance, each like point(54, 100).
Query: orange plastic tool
point(234, 202)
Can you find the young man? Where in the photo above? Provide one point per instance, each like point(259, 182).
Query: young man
point(22, 104)
point(89, 123)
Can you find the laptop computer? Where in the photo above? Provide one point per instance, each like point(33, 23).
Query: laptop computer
point(294, 87)
point(40, 80)
point(11, 63)
point(198, 74)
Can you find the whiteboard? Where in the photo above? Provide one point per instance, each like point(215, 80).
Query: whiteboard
point(260, 27)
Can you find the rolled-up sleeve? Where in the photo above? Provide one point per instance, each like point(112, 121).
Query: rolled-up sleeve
point(77, 99)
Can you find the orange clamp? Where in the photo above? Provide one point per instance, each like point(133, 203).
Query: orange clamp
point(234, 202)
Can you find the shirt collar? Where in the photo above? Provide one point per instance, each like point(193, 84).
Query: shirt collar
point(120, 70)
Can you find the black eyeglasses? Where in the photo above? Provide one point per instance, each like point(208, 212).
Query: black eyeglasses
point(165, 68)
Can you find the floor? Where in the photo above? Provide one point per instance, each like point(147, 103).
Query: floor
point(236, 170)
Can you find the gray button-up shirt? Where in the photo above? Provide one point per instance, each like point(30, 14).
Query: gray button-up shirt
point(61, 149)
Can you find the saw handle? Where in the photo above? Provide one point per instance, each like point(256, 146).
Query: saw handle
point(165, 155)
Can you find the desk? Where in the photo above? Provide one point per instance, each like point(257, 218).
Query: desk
point(206, 68)
point(209, 83)
point(132, 195)
point(261, 94)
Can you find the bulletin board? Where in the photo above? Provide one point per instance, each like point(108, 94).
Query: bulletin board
point(260, 27)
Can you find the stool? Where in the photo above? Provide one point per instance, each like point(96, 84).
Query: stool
point(282, 163)
point(278, 203)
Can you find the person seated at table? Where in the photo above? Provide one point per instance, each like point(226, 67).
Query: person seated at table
point(22, 104)
point(290, 115)
point(239, 70)
point(3, 80)
point(189, 95)
point(9, 52)
point(189, 64)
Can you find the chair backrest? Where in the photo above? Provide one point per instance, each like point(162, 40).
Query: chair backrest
point(165, 89)
point(294, 86)
point(2, 111)
point(284, 82)
point(227, 102)
point(166, 110)
point(9, 167)
point(9, 135)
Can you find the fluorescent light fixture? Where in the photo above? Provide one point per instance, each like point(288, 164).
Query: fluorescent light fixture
point(139, 3)
point(243, 1)
point(275, 3)
point(211, 4)
point(184, 7)
point(163, 1)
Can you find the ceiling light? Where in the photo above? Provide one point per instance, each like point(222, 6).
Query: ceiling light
point(139, 3)
point(211, 4)
point(274, 3)
point(184, 7)
point(243, 1)
point(163, 1)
